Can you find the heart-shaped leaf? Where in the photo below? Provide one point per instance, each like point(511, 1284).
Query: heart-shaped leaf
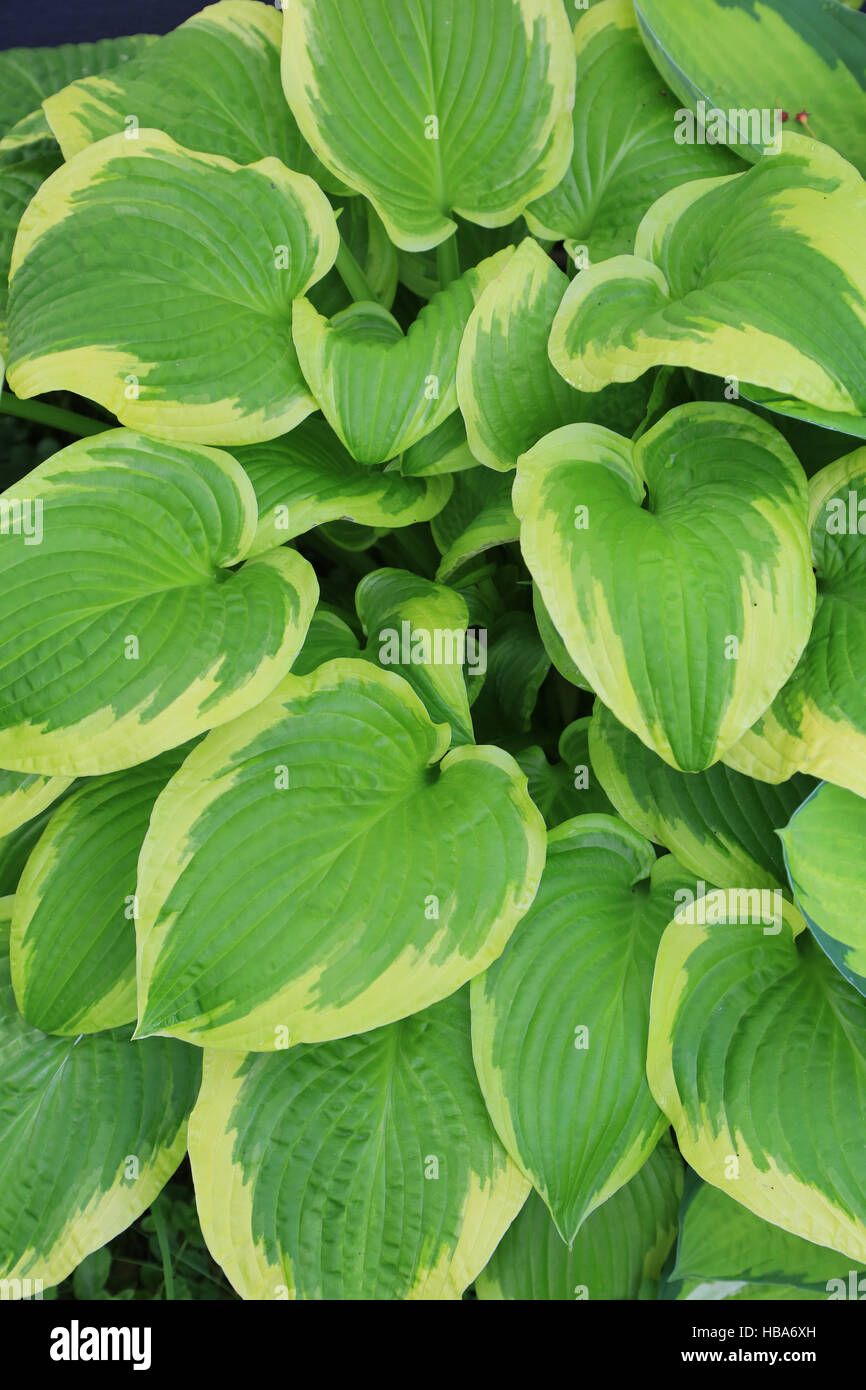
point(817, 723)
point(627, 147)
point(364, 1168)
point(508, 390)
point(617, 1254)
point(307, 478)
point(824, 845)
point(745, 277)
point(718, 823)
point(183, 327)
point(91, 1130)
point(676, 570)
point(385, 878)
point(158, 638)
point(559, 1022)
point(379, 389)
point(757, 1055)
point(480, 138)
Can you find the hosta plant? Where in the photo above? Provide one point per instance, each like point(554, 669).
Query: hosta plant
point(432, 675)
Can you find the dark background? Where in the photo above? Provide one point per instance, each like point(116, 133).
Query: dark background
point(30, 23)
point(33, 23)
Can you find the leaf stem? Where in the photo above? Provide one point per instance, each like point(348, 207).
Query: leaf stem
point(351, 274)
point(161, 1229)
point(448, 261)
point(52, 415)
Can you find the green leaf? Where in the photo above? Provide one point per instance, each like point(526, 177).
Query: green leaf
point(757, 1055)
point(364, 237)
point(443, 450)
point(442, 107)
point(478, 516)
point(91, 1129)
point(627, 149)
point(720, 1240)
point(386, 874)
point(718, 823)
point(817, 723)
point(824, 844)
point(158, 638)
point(556, 648)
point(569, 787)
point(212, 84)
point(559, 1022)
point(19, 180)
point(516, 668)
point(363, 1168)
point(745, 277)
point(618, 1253)
point(417, 629)
point(28, 75)
point(328, 637)
point(508, 390)
point(683, 593)
point(73, 934)
point(194, 348)
point(379, 389)
point(307, 478)
point(744, 58)
point(24, 795)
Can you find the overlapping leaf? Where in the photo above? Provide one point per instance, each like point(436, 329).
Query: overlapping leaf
point(719, 823)
point(569, 787)
point(508, 390)
point(627, 147)
point(825, 851)
point(559, 1023)
point(73, 922)
point(125, 627)
point(617, 1254)
point(744, 59)
point(307, 478)
point(212, 84)
point(720, 1240)
point(675, 570)
point(418, 629)
point(28, 75)
point(24, 795)
point(477, 517)
point(364, 1168)
point(757, 1055)
point(745, 276)
point(181, 325)
point(817, 723)
point(90, 1127)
